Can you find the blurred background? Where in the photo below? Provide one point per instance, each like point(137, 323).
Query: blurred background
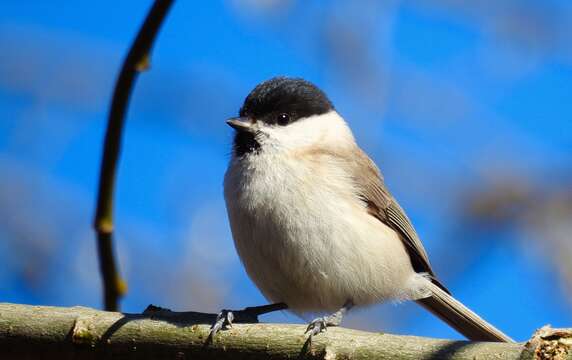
point(466, 107)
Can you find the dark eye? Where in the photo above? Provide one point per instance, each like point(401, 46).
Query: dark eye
point(283, 119)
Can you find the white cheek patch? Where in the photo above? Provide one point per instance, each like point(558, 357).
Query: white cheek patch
point(327, 128)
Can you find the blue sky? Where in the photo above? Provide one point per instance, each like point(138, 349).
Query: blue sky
point(446, 99)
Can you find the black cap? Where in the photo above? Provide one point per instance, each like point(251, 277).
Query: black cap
point(294, 97)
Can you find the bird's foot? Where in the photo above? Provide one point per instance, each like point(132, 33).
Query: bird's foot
point(321, 324)
point(248, 315)
point(223, 321)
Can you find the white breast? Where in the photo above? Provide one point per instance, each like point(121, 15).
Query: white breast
point(305, 239)
point(303, 236)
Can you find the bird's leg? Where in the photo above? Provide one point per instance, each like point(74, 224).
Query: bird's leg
point(225, 318)
point(320, 324)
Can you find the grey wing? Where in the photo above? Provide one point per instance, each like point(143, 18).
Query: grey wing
point(369, 184)
point(380, 203)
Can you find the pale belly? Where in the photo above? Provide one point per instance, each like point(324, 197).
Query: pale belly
point(314, 247)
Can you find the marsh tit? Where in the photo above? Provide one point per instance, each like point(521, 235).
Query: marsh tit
point(313, 222)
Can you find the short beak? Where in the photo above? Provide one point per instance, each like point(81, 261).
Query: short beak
point(240, 123)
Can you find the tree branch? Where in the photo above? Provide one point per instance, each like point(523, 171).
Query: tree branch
point(137, 60)
point(41, 332)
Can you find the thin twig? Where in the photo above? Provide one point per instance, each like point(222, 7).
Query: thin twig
point(137, 60)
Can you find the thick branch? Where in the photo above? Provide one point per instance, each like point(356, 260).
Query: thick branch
point(40, 332)
point(136, 61)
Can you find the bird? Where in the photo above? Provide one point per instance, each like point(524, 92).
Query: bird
point(313, 222)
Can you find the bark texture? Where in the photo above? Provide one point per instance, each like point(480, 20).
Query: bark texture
point(42, 332)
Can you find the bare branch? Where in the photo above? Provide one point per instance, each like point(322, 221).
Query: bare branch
point(137, 60)
point(40, 332)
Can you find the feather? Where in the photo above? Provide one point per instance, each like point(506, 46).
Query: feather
point(380, 204)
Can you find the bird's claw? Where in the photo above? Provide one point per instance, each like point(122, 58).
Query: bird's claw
point(223, 321)
point(317, 326)
point(248, 315)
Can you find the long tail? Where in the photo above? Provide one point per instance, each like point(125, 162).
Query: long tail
point(460, 317)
